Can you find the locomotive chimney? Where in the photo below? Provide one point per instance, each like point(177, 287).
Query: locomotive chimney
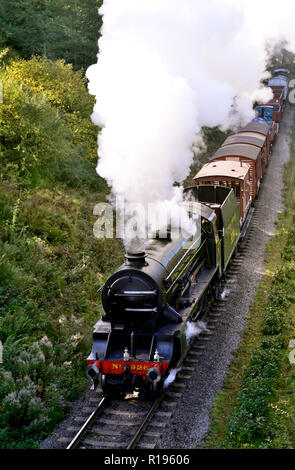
point(136, 259)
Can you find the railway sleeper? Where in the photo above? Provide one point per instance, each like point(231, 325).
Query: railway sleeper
point(102, 444)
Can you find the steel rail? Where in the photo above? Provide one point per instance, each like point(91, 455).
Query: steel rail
point(145, 423)
point(73, 444)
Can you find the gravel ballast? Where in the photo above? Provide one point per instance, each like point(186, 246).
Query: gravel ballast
point(191, 419)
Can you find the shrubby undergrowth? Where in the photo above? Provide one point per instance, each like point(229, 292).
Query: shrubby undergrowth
point(50, 263)
point(256, 407)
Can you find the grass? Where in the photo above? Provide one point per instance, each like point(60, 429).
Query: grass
point(255, 408)
point(50, 269)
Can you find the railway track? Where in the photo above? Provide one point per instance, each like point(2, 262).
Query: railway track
point(134, 423)
point(117, 424)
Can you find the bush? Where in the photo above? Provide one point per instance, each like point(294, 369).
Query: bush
point(39, 142)
point(50, 264)
point(253, 422)
point(66, 90)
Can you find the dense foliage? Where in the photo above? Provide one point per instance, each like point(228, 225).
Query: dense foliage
point(50, 263)
point(57, 29)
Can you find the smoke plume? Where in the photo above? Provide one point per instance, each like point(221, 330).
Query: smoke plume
point(165, 69)
point(171, 377)
point(194, 329)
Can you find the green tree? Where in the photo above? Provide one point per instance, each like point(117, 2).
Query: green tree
point(67, 29)
point(45, 130)
point(32, 133)
point(66, 90)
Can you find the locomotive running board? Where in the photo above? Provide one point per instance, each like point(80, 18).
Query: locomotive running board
point(246, 227)
point(204, 279)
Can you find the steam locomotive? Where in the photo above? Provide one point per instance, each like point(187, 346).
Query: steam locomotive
point(149, 301)
point(153, 298)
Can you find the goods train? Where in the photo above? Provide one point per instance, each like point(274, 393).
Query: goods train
point(153, 300)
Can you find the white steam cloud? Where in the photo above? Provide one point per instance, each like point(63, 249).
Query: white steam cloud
point(194, 329)
point(171, 377)
point(269, 21)
point(225, 293)
point(165, 69)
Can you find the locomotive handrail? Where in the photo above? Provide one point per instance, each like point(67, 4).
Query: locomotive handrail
point(141, 309)
point(181, 260)
point(144, 292)
point(127, 293)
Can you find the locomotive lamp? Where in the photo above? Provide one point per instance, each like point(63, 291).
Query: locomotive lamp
point(126, 355)
point(156, 356)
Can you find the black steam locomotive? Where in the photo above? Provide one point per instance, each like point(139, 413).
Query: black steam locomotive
point(154, 295)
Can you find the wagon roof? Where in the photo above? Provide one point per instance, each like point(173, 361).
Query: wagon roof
point(272, 102)
point(241, 150)
point(258, 136)
point(251, 138)
point(282, 70)
point(279, 80)
point(258, 127)
point(227, 169)
point(266, 105)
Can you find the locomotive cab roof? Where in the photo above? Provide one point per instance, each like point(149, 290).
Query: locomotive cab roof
point(287, 71)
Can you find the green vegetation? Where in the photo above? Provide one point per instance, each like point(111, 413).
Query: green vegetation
point(57, 29)
point(213, 138)
point(255, 409)
point(280, 57)
point(50, 263)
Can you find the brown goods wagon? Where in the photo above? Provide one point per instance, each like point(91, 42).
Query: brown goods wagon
point(250, 138)
point(258, 128)
point(232, 174)
point(277, 109)
point(244, 153)
point(278, 93)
